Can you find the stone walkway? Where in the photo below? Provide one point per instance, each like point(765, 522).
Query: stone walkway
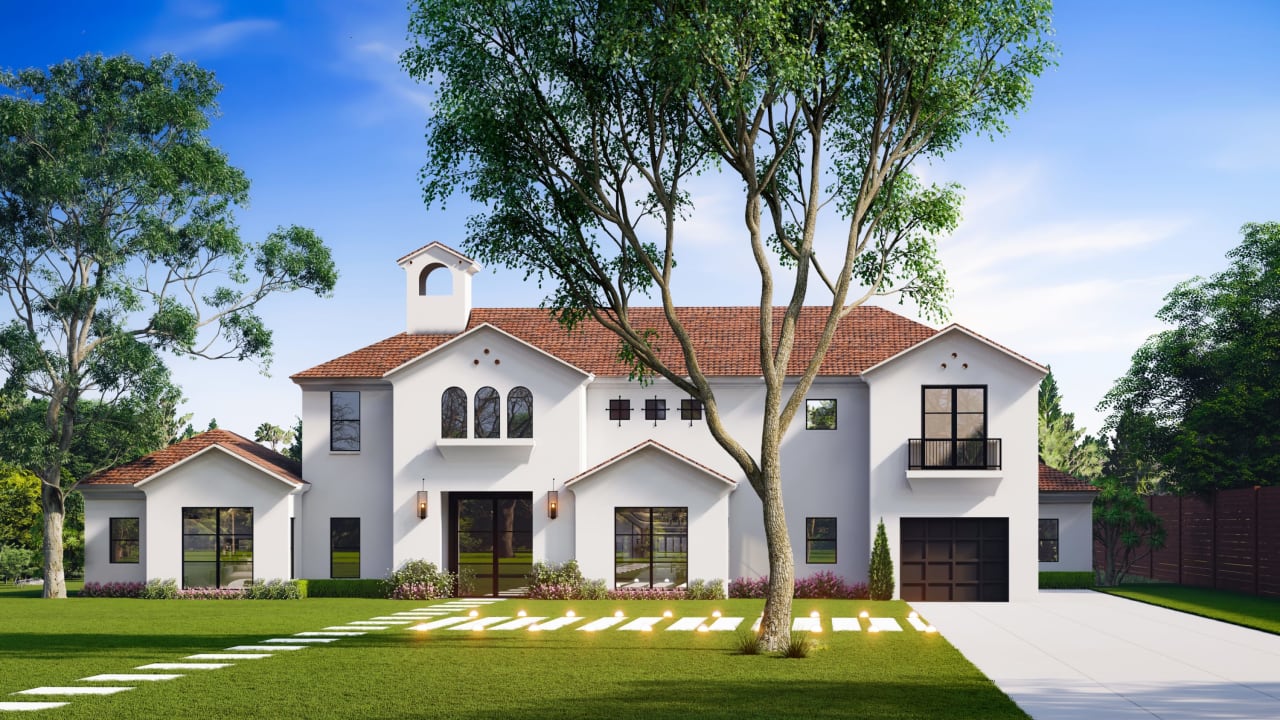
point(456, 615)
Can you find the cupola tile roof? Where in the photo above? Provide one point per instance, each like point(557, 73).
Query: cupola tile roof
point(723, 337)
point(148, 466)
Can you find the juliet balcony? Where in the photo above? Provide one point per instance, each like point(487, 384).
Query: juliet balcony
point(953, 454)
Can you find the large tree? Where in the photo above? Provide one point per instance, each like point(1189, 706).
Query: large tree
point(1201, 400)
point(580, 125)
point(117, 244)
point(1062, 444)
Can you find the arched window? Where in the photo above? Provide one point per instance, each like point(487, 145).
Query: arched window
point(520, 413)
point(435, 279)
point(488, 408)
point(453, 413)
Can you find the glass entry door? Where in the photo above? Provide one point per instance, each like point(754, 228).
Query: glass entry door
point(491, 542)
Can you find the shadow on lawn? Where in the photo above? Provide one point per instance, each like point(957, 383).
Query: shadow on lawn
point(58, 645)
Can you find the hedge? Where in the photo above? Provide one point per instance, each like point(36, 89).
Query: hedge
point(1082, 579)
point(353, 588)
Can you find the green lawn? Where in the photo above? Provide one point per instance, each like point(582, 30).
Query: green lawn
point(451, 674)
point(1247, 610)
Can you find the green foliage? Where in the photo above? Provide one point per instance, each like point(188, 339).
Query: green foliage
point(18, 563)
point(1062, 444)
point(19, 508)
point(273, 435)
point(116, 216)
point(799, 645)
point(275, 589)
point(1198, 406)
point(295, 446)
point(1124, 527)
point(1065, 580)
point(419, 580)
point(353, 588)
point(160, 589)
point(699, 589)
point(880, 573)
point(749, 643)
point(563, 581)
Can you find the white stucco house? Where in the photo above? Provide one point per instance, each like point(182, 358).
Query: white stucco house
point(486, 439)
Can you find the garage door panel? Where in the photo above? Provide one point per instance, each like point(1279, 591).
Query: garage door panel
point(954, 559)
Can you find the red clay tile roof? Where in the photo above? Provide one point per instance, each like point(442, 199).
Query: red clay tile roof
point(654, 444)
point(145, 467)
point(724, 337)
point(1054, 480)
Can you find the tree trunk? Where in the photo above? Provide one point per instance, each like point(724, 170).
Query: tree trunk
point(775, 629)
point(52, 501)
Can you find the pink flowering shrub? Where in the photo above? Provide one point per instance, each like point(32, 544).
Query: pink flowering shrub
point(419, 591)
point(823, 584)
point(209, 593)
point(643, 593)
point(748, 587)
point(112, 590)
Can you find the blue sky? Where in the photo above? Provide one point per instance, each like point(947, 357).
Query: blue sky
point(1140, 156)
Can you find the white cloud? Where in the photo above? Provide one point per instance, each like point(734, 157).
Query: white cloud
point(213, 39)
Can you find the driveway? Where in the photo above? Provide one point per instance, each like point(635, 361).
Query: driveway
point(1082, 654)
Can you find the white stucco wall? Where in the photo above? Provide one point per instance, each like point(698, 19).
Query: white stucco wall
point(346, 484)
point(214, 478)
point(1012, 492)
point(652, 478)
point(1075, 531)
point(100, 505)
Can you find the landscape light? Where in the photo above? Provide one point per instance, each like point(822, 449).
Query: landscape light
point(617, 613)
point(715, 613)
point(570, 613)
point(864, 614)
point(474, 613)
point(666, 613)
point(521, 613)
point(814, 614)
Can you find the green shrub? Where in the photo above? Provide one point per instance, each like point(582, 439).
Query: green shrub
point(157, 589)
point(18, 563)
point(352, 588)
point(799, 646)
point(275, 589)
point(706, 589)
point(1083, 579)
point(749, 643)
point(563, 581)
point(419, 580)
point(880, 576)
point(303, 588)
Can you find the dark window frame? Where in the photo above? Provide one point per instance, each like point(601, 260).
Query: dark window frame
point(690, 409)
point(956, 451)
point(523, 430)
point(652, 539)
point(482, 407)
point(655, 409)
point(808, 413)
point(451, 400)
point(219, 540)
point(117, 538)
point(335, 534)
point(619, 409)
point(1055, 540)
point(810, 538)
point(334, 422)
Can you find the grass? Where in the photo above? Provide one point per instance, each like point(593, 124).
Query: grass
point(1250, 611)
point(450, 674)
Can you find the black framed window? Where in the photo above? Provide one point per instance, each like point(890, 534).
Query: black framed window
point(453, 413)
point(651, 547)
point(520, 413)
point(217, 546)
point(1048, 540)
point(344, 420)
point(488, 410)
point(820, 540)
point(690, 409)
point(344, 547)
point(655, 409)
point(620, 409)
point(820, 414)
point(954, 426)
point(124, 540)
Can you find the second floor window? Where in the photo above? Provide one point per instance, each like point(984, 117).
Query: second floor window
point(519, 413)
point(620, 409)
point(954, 425)
point(655, 409)
point(488, 409)
point(690, 409)
point(453, 413)
point(344, 421)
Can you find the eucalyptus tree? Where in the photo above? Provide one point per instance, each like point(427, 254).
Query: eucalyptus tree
point(118, 243)
point(579, 126)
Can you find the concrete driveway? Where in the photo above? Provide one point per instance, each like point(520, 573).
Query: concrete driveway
point(1082, 654)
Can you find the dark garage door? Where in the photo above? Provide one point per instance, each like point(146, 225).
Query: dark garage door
point(955, 559)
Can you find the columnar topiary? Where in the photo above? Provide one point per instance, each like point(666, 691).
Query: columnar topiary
point(880, 578)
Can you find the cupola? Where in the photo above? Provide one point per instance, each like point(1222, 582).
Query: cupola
point(437, 289)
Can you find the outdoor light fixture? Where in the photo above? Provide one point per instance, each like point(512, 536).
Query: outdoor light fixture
point(422, 504)
point(553, 501)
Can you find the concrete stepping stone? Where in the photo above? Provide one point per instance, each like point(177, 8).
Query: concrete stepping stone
point(75, 690)
point(885, 625)
point(129, 677)
point(641, 623)
point(227, 656)
point(379, 622)
point(687, 623)
point(724, 624)
point(28, 706)
point(184, 666)
point(328, 633)
point(603, 623)
point(480, 623)
point(755, 626)
point(264, 648)
point(917, 623)
point(299, 640)
point(807, 624)
point(555, 623)
point(518, 623)
point(356, 627)
point(389, 620)
point(437, 624)
point(845, 625)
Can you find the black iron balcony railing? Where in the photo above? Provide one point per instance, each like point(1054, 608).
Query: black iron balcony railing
point(928, 454)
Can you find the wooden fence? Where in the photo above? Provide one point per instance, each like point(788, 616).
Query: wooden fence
point(1229, 539)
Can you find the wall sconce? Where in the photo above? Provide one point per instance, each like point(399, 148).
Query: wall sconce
point(422, 504)
point(553, 503)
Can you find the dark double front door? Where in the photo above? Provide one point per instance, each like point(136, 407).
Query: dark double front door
point(491, 542)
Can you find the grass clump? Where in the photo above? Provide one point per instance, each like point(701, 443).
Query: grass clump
point(799, 645)
point(749, 643)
